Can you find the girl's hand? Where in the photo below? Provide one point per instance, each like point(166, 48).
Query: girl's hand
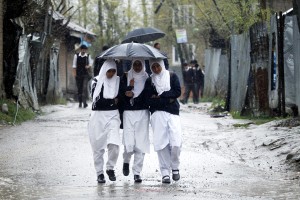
point(131, 82)
point(129, 93)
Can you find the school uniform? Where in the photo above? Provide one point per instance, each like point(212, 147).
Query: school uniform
point(104, 124)
point(165, 120)
point(135, 119)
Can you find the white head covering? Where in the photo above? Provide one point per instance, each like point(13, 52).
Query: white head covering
point(161, 81)
point(139, 78)
point(111, 86)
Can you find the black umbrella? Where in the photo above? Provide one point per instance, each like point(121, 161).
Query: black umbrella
point(129, 51)
point(142, 35)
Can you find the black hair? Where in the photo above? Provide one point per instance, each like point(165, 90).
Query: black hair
point(83, 46)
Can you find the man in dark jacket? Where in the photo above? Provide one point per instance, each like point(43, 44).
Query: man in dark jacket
point(198, 79)
point(189, 84)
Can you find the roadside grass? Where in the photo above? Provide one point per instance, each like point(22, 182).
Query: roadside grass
point(219, 106)
point(16, 114)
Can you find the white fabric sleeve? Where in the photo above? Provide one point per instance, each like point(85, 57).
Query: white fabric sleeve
point(74, 61)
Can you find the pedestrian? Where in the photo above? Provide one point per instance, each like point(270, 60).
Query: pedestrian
point(104, 124)
point(99, 61)
point(135, 118)
point(198, 79)
point(189, 84)
point(82, 63)
point(166, 62)
point(165, 120)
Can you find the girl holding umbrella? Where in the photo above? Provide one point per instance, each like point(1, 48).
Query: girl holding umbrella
point(135, 118)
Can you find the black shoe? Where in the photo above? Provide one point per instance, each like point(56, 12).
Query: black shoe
point(101, 178)
point(80, 105)
point(182, 101)
point(137, 179)
point(166, 179)
point(85, 105)
point(175, 175)
point(111, 175)
point(126, 169)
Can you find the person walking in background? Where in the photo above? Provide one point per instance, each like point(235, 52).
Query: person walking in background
point(104, 124)
point(99, 61)
point(82, 62)
point(166, 62)
point(165, 120)
point(198, 79)
point(189, 84)
point(135, 118)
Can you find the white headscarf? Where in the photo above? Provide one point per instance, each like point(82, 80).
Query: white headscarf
point(139, 78)
point(161, 81)
point(111, 86)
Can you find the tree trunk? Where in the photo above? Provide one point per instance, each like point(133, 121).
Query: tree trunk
point(100, 22)
point(84, 13)
point(2, 93)
point(145, 19)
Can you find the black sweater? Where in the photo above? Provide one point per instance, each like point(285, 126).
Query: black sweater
point(137, 103)
point(102, 103)
point(167, 101)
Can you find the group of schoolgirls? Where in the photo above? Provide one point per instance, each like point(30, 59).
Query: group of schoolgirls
point(138, 96)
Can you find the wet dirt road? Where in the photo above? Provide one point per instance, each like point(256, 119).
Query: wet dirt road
point(51, 158)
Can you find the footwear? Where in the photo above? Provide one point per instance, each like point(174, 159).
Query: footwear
point(80, 105)
point(101, 178)
point(126, 169)
point(166, 179)
point(111, 175)
point(137, 179)
point(175, 175)
point(85, 105)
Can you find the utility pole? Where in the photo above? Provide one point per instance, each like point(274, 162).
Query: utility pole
point(2, 93)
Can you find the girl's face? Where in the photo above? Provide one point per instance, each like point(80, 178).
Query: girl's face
point(110, 73)
point(156, 68)
point(137, 66)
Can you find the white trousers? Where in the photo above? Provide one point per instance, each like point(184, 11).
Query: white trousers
point(137, 162)
point(168, 159)
point(112, 153)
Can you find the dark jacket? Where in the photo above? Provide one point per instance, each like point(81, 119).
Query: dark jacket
point(188, 76)
point(128, 103)
point(98, 64)
point(167, 101)
point(102, 103)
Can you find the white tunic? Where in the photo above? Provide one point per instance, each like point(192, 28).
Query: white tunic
point(136, 130)
point(103, 129)
point(166, 130)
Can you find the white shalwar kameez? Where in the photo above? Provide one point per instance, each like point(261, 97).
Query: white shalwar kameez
point(136, 124)
point(104, 125)
point(136, 137)
point(166, 137)
point(166, 126)
point(104, 133)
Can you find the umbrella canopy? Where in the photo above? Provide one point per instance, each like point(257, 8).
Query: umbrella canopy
point(142, 35)
point(129, 51)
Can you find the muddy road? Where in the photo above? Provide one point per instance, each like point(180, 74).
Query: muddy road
point(51, 158)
